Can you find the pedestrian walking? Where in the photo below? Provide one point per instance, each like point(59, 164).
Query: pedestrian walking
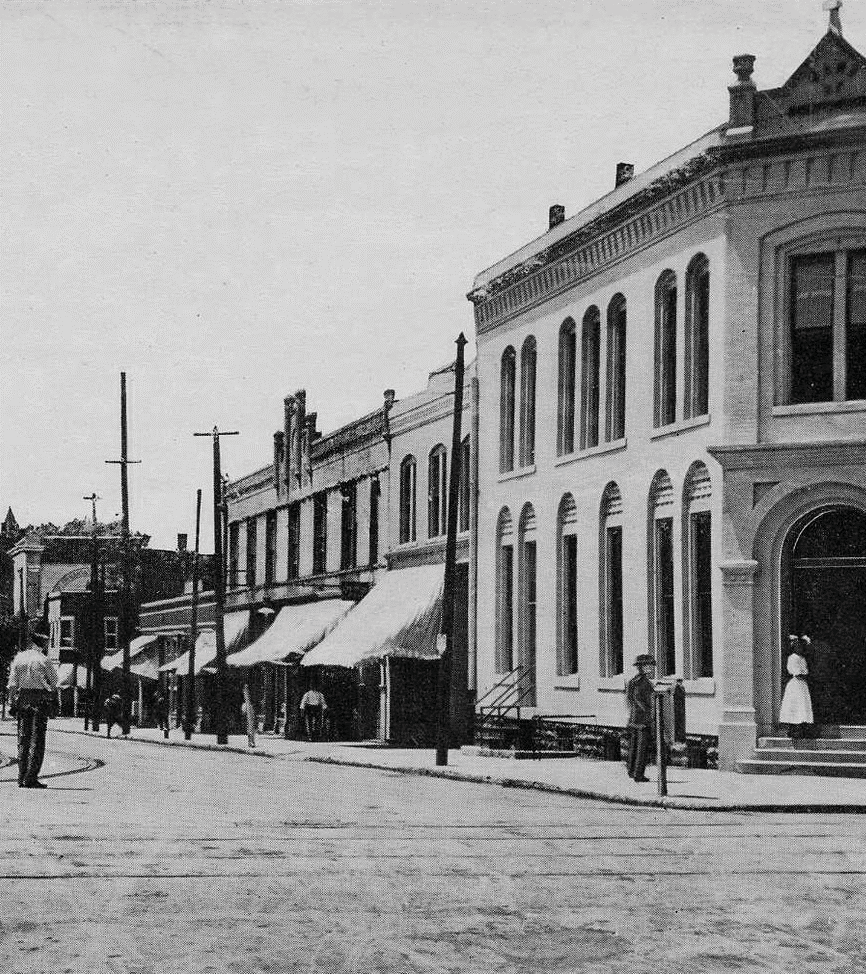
point(313, 707)
point(32, 690)
point(796, 709)
point(160, 709)
point(113, 713)
point(639, 695)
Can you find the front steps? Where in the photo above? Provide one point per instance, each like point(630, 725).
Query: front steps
point(835, 751)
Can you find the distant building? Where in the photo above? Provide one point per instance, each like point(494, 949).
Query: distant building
point(673, 398)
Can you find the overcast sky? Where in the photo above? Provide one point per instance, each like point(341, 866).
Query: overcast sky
point(231, 200)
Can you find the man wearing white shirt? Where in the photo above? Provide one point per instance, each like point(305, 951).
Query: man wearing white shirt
point(32, 686)
point(313, 708)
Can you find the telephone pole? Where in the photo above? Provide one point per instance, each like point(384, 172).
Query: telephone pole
point(219, 585)
point(124, 628)
point(443, 723)
point(189, 722)
point(92, 682)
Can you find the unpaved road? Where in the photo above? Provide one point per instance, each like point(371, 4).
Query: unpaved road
point(165, 860)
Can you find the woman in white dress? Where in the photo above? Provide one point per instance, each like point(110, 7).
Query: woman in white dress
point(796, 709)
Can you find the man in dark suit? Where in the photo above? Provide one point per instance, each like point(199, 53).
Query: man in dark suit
point(639, 694)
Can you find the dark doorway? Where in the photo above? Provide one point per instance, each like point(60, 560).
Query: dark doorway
point(828, 604)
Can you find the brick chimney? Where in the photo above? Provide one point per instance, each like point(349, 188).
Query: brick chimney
point(555, 215)
point(624, 172)
point(743, 95)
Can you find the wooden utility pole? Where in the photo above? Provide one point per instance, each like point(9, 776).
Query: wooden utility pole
point(190, 709)
point(92, 683)
point(219, 586)
point(443, 723)
point(124, 627)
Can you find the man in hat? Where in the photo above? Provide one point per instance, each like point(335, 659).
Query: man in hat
point(32, 686)
point(639, 694)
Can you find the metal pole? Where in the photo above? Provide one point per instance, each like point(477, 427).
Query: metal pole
point(94, 586)
point(189, 723)
point(661, 754)
point(124, 628)
point(98, 647)
point(443, 723)
point(22, 620)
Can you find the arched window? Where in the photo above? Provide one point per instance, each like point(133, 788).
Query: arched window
point(566, 649)
point(407, 499)
point(504, 655)
point(526, 607)
point(589, 378)
point(527, 402)
point(665, 405)
point(660, 544)
point(697, 574)
point(437, 492)
point(567, 367)
point(615, 416)
point(507, 380)
point(463, 510)
point(696, 401)
point(610, 577)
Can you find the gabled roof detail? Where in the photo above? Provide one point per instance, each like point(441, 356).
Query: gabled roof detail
point(834, 71)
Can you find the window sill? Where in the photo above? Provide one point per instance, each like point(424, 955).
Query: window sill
point(705, 686)
point(817, 408)
point(517, 474)
point(683, 426)
point(615, 684)
point(569, 682)
point(612, 447)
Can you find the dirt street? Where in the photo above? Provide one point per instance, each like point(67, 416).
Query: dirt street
point(163, 860)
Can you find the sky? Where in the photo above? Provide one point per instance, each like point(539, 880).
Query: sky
point(232, 200)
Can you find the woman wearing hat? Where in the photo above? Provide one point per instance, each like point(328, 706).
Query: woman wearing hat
point(639, 694)
point(796, 709)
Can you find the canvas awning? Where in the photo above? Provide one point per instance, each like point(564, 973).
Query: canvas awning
point(136, 647)
point(296, 629)
point(235, 627)
point(66, 676)
point(400, 616)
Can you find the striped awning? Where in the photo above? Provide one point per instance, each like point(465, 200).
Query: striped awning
point(235, 626)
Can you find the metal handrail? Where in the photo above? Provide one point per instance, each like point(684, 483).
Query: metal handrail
point(508, 684)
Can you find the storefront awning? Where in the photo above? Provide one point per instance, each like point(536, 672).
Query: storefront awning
point(136, 647)
point(400, 616)
point(235, 627)
point(296, 629)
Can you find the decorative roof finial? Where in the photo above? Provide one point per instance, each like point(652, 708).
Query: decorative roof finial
point(834, 6)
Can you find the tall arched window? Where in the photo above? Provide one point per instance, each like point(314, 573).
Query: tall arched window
point(507, 381)
point(615, 414)
point(567, 367)
point(660, 544)
point(527, 402)
point(437, 492)
point(407, 499)
point(504, 653)
point(566, 648)
point(463, 511)
point(665, 404)
point(589, 378)
point(526, 606)
point(696, 398)
point(610, 579)
point(697, 574)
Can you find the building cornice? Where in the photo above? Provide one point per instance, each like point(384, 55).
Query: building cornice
point(790, 455)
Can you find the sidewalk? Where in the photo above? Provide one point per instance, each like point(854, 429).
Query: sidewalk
point(582, 778)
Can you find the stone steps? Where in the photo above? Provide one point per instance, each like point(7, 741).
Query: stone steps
point(834, 751)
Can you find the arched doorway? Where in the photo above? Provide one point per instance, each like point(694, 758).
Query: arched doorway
point(825, 560)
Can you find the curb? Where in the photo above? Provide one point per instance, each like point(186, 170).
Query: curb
point(674, 804)
point(188, 745)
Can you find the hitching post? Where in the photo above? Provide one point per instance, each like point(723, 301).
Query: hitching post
point(661, 753)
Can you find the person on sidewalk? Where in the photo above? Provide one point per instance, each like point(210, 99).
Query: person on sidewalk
point(796, 709)
point(313, 707)
point(639, 695)
point(113, 713)
point(32, 690)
